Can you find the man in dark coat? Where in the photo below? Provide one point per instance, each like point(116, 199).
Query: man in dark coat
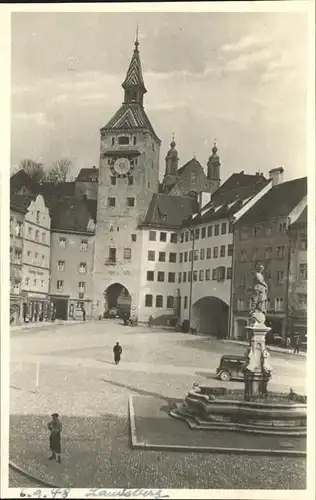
point(297, 344)
point(117, 349)
point(55, 428)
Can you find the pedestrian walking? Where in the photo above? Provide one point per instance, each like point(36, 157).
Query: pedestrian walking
point(55, 428)
point(296, 345)
point(83, 313)
point(117, 349)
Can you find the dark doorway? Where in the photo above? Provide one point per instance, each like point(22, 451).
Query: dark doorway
point(60, 308)
point(117, 297)
point(211, 316)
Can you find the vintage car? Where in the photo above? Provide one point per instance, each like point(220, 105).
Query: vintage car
point(231, 367)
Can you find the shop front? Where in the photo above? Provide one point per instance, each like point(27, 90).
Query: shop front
point(36, 308)
point(80, 309)
point(16, 302)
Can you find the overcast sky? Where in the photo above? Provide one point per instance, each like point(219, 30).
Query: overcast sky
point(237, 77)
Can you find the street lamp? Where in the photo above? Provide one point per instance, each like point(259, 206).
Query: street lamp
point(192, 269)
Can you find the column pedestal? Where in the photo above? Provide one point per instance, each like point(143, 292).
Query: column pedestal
point(257, 373)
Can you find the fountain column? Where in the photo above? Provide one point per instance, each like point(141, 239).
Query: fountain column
point(257, 371)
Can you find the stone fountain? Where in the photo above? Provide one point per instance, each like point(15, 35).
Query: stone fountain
point(253, 409)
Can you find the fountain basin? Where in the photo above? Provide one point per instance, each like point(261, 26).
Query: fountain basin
point(212, 408)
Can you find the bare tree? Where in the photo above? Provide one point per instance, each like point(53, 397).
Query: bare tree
point(34, 169)
point(59, 172)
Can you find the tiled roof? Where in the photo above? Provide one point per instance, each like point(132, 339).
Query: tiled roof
point(134, 74)
point(130, 116)
point(73, 214)
point(20, 202)
point(21, 179)
point(301, 221)
point(238, 186)
point(230, 197)
point(88, 175)
point(169, 211)
point(278, 202)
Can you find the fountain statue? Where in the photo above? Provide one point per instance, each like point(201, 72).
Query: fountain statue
point(209, 407)
point(257, 370)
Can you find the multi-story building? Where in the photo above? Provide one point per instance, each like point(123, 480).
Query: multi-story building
point(72, 253)
point(206, 253)
point(297, 278)
point(161, 249)
point(261, 235)
point(17, 212)
point(36, 259)
point(30, 256)
point(187, 252)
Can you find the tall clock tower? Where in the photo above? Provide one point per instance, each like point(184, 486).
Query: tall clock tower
point(128, 177)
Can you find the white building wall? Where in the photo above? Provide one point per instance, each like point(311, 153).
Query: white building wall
point(156, 287)
point(36, 249)
point(211, 287)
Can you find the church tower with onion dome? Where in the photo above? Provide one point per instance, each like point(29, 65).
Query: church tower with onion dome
point(172, 163)
point(128, 178)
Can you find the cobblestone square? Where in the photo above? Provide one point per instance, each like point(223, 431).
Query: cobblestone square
point(78, 378)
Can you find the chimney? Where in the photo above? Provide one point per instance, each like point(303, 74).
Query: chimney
point(276, 175)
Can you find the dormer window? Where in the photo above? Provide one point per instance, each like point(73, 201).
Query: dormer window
point(123, 140)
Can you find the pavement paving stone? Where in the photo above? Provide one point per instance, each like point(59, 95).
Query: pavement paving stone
point(92, 399)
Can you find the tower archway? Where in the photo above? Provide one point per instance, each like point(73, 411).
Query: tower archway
point(117, 296)
point(210, 314)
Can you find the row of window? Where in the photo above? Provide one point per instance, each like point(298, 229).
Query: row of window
point(130, 201)
point(207, 253)
point(16, 258)
point(63, 244)
point(277, 305)
point(124, 140)
point(159, 301)
point(81, 286)
point(280, 275)
point(161, 256)
point(218, 274)
point(61, 266)
point(197, 254)
point(28, 281)
point(206, 232)
point(130, 180)
point(245, 304)
point(127, 255)
point(162, 236)
point(261, 231)
point(262, 253)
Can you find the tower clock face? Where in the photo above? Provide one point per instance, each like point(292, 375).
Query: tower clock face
point(122, 166)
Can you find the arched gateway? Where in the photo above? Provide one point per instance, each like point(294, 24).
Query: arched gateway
point(117, 296)
point(211, 316)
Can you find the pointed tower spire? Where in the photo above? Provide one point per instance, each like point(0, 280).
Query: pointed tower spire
point(134, 83)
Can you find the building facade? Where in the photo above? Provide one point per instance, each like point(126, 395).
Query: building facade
point(17, 213)
point(72, 257)
point(29, 258)
point(261, 235)
point(297, 278)
point(36, 260)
